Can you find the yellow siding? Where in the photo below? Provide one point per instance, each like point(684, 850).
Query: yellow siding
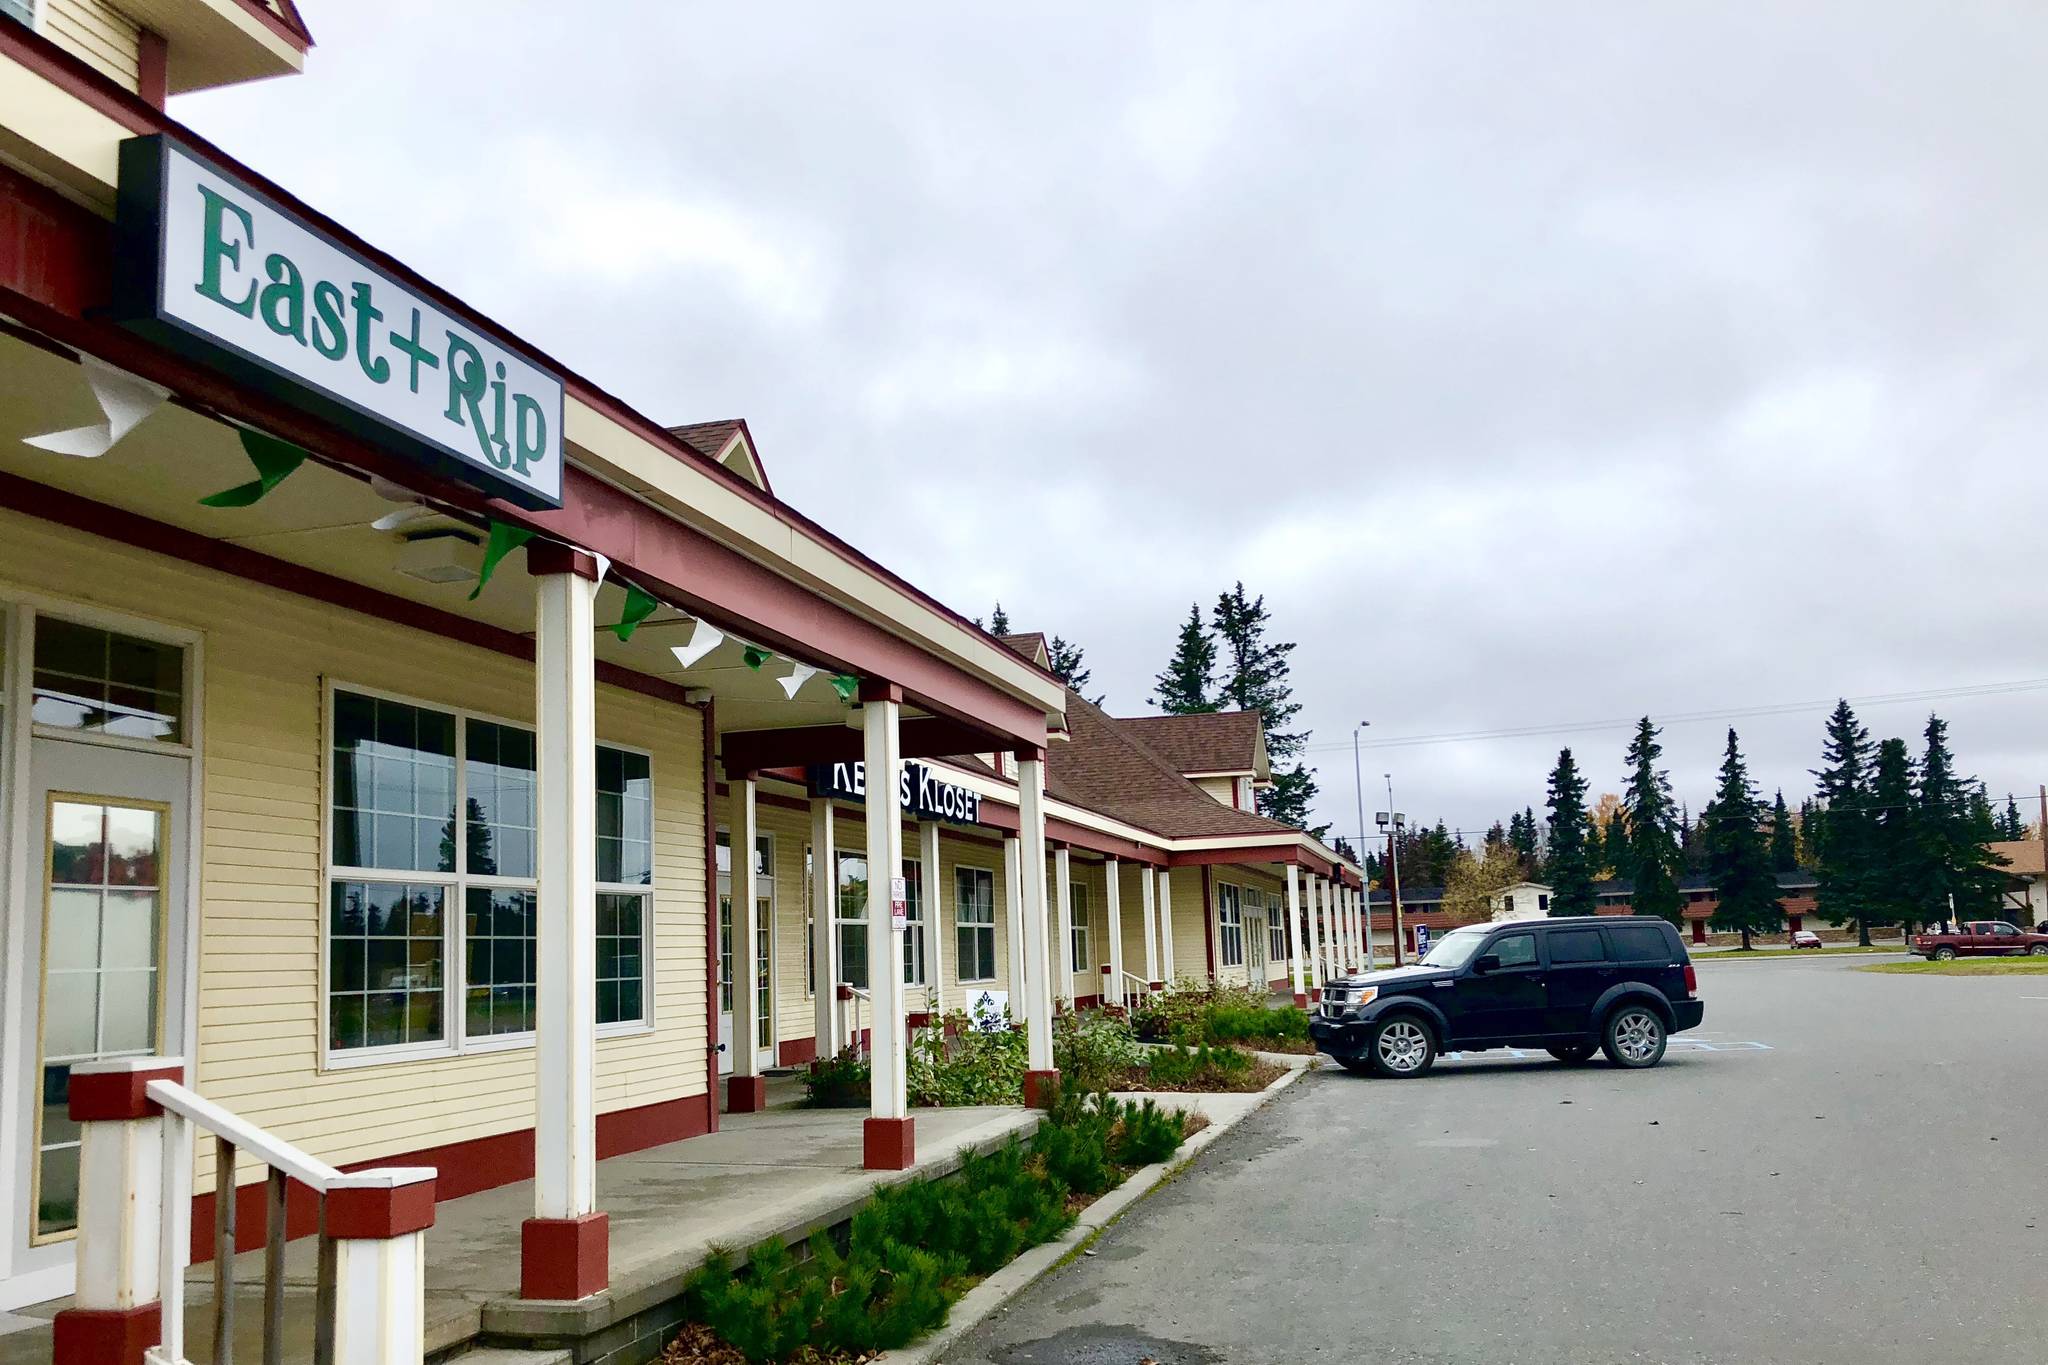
point(106, 39)
point(261, 894)
point(1224, 789)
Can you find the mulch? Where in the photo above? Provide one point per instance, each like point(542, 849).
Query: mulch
point(1261, 1075)
point(699, 1345)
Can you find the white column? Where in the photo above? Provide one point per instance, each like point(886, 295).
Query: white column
point(1063, 951)
point(125, 1165)
point(1112, 880)
point(1030, 880)
point(1295, 936)
point(746, 928)
point(1350, 901)
point(1365, 923)
point(1319, 926)
point(380, 1276)
point(1166, 925)
point(1148, 901)
point(565, 794)
point(1013, 926)
point(883, 755)
point(934, 939)
point(824, 894)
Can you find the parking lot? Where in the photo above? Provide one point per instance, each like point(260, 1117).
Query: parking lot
point(1840, 1166)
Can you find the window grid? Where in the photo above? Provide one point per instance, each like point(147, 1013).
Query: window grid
point(913, 928)
point(1077, 902)
point(974, 922)
point(1229, 925)
point(850, 922)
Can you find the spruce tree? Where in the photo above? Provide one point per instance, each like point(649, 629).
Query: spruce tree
point(1738, 860)
point(1497, 836)
point(1901, 887)
point(1184, 688)
point(1568, 867)
point(1963, 873)
point(2011, 827)
point(999, 623)
point(1843, 867)
point(1068, 666)
point(1523, 839)
point(1784, 843)
point(1652, 855)
point(1255, 678)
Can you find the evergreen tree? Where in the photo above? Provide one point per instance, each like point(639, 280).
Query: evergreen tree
point(1651, 858)
point(2011, 827)
point(1439, 853)
point(1784, 842)
point(1901, 885)
point(1343, 849)
point(1184, 688)
point(1738, 860)
point(1496, 837)
point(1843, 867)
point(999, 623)
point(1522, 838)
point(1808, 832)
point(1255, 678)
point(1068, 666)
point(1569, 869)
point(1963, 879)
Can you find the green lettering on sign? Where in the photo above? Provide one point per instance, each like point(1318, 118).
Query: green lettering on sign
point(219, 248)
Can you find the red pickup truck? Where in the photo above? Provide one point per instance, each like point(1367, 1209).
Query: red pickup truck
point(1981, 938)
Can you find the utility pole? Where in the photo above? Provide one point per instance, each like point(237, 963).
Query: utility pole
point(1358, 784)
point(2043, 832)
point(1393, 821)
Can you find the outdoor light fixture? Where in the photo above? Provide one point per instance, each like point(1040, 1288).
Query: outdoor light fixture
point(441, 557)
point(704, 638)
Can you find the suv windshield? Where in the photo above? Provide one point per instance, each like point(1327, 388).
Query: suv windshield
point(1454, 949)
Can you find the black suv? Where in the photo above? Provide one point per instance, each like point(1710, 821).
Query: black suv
point(1618, 983)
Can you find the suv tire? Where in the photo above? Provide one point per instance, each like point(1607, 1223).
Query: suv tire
point(1357, 1066)
point(1943, 954)
point(1400, 1047)
point(1571, 1054)
point(1635, 1036)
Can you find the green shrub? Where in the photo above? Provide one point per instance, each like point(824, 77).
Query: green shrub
point(1198, 1068)
point(839, 1082)
point(1092, 1051)
point(1147, 1134)
point(1184, 1009)
point(956, 1064)
point(1256, 1024)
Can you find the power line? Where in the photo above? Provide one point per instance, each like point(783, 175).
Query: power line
point(1693, 717)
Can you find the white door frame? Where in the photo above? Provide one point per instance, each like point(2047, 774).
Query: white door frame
point(764, 1057)
point(35, 1274)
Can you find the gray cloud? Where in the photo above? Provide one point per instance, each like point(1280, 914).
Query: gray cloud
point(1538, 363)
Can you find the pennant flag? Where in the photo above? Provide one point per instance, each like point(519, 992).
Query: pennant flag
point(124, 400)
point(703, 639)
point(754, 656)
point(639, 606)
point(504, 540)
point(275, 462)
point(799, 674)
point(847, 685)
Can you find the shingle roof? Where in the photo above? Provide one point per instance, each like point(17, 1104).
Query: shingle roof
point(1215, 742)
point(2022, 855)
point(1109, 769)
point(1031, 644)
point(709, 438)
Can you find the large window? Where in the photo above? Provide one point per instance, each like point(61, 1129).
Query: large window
point(974, 922)
point(1276, 928)
point(850, 925)
point(764, 931)
point(1077, 903)
point(433, 862)
point(100, 683)
point(913, 929)
point(1229, 925)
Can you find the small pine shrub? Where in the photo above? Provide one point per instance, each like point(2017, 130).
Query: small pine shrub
point(1147, 1134)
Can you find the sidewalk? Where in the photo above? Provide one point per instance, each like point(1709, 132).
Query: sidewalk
point(785, 1172)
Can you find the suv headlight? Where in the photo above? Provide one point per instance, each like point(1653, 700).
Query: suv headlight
point(1358, 997)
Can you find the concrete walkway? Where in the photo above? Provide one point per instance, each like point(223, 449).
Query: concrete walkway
point(785, 1172)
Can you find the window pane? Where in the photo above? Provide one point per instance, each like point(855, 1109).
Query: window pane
point(499, 769)
point(625, 818)
point(1515, 950)
point(94, 681)
point(1577, 945)
point(1640, 943)
point(500, 932)
point(394, 786)
point(385, 953)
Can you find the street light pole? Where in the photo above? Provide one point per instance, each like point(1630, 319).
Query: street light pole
point(1394, 864)
point(1358, 784)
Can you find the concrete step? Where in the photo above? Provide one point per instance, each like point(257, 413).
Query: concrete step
point(502, 1355)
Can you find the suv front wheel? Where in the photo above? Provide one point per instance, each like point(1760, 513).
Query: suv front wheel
point(1634, 1037)
point(1401, 1047)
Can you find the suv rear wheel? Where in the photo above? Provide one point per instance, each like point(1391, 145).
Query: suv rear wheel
point(1401, 1047)
point(1634, 1037)
point(1571, 1054)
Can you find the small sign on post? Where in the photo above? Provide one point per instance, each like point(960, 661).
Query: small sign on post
point(899, 903)
point(1421, 939)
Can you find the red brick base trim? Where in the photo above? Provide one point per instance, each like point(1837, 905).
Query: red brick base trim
point(564, 1258)
point(1301, 999)
point(746, 1094)
point(106, 1336)
point(1039, 1088)
point(797, 1051)
point(888, 1144)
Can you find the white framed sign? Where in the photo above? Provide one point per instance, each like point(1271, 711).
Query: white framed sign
point(225, 275)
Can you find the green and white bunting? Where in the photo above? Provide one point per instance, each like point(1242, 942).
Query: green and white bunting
point(275, 462)
point(503, 541)
point(640, 604)
point(847, 685)
point(754, 656)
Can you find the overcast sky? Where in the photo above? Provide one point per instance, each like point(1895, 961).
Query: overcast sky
point(1539, 363)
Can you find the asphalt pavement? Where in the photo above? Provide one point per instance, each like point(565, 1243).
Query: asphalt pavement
point(1839, 1166)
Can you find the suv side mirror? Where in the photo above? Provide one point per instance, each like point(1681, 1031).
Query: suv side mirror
point(1487, 962)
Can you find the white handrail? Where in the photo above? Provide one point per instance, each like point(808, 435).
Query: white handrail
point(246, 1136)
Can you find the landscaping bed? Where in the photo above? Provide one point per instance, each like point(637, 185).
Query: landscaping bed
point(915, 1248)
point(1195, 1013)
point(1966, 966)
point(1202, 1070)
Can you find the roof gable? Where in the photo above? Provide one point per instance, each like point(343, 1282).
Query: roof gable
point(1210, 743)
point(730, 444)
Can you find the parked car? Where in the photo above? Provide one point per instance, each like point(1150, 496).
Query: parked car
point(1805, 938)
point(1619, 984)
point(1981, 938)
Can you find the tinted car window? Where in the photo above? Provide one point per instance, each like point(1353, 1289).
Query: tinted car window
point(1515, 950)
point(1640, 943)
point(1576, 945)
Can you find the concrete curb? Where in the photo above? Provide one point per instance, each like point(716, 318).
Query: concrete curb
point(1013, 1279)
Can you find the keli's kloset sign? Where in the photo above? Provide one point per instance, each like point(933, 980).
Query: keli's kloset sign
point(214, 269)
point(919, 791)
